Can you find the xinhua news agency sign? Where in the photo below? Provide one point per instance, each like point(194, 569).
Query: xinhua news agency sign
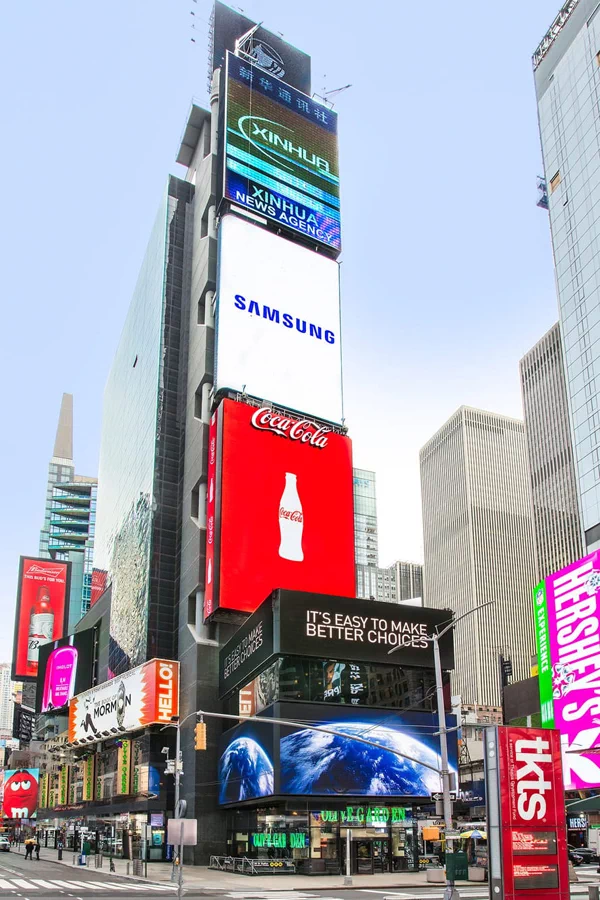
point(567, 620)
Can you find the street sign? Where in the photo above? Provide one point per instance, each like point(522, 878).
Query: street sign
point(438, 795)
point(182, 832)
point(180, 809)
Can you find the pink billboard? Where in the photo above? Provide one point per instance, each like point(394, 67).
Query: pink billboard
point(570, 679)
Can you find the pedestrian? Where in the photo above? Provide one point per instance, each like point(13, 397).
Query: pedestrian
point(37, 848)
point(28, 848)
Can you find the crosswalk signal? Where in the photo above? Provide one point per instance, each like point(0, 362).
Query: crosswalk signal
point(200, 736)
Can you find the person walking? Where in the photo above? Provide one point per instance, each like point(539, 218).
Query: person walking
point(28, 848)
point(37, 848)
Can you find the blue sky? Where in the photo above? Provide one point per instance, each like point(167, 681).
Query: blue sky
point(447, 274)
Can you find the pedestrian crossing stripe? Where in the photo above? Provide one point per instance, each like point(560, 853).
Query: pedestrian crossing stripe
point(34, 884)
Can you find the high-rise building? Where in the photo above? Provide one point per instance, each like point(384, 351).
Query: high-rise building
point(397, 583)
point(366, 551)
point(6, 702)
point(70, 514)
point(551, 469)
point(567, 78)
point(478, 545)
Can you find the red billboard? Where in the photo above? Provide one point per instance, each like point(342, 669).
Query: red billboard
point(532, 815)
point(279, 508)
point(42, 606)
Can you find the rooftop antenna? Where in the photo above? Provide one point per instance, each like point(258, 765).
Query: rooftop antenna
point(241, 42)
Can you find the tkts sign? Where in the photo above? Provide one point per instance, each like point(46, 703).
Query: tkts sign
point(280, 508)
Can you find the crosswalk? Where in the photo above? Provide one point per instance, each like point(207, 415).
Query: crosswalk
point(36, 884)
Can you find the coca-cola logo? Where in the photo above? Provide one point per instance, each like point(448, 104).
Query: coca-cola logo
point(302, 430)
point(294, 515)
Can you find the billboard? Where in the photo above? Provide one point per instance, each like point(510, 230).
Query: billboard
point(280, 508)
point(257, 759)
point(42, 606)
point(527, 837)
point(275, 56)
point(329, 627)
point(567, 620)
point(65, 669)
point(20, 793)
point(278, 321)
point(281, 155)
point(146, 695)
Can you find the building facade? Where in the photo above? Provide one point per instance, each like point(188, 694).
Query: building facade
point(6, 702)
point(551, 469)
point(366, 545)
point(398, 583)
point(478, 545)
point(567, 81)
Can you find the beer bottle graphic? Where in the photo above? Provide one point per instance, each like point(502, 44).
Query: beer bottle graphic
point(41, 628)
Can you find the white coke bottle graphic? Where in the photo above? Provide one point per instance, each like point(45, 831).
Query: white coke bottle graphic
point(291, 521)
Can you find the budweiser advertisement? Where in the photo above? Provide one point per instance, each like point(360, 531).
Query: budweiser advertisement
point(527, 836)
point(41, 613)
point(279, 508)
point(567, 616)
point(146, 695)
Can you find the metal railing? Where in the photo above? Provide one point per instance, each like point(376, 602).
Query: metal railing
point(244, 866)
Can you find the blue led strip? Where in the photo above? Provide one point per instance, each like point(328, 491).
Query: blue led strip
point(263, 166)
point(282, 189)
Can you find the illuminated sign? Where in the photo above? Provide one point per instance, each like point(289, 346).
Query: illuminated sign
point(280, 514)
point(533, 843)
point(146, 695)
point(124, 767)
point(295, 840)
point(278, 330)
point(567, 616)
point(365, 814)
point(42, 605)
point(21, 788)
point(577, 823)
point(281, 154)
point(65, 669)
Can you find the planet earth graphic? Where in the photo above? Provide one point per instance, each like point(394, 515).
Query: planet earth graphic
point(313, 762)
point(245, 771)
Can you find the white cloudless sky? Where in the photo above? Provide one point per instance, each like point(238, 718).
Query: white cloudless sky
point(447, 273)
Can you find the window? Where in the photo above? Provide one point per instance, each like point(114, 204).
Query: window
point(598, 58)
point(195, 506)
point(554, 182)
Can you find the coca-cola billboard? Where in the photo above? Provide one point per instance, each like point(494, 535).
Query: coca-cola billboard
point(279, 508)
point(41, 613)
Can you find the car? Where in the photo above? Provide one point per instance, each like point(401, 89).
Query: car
point(587, 854)
point(575, 858)
point(4, 845)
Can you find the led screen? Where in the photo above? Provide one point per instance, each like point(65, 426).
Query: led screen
point(41, 611)
point(281, 154)
point(20, 793)
point(567, 617)
point(246, 763)
point(65, 669)
point(278, 321)
point(280, 508)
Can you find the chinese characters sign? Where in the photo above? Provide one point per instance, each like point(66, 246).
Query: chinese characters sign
point(281, 154)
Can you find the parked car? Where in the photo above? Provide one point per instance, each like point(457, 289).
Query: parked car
point(587, 854)
point(575, 857)
point(4, 845)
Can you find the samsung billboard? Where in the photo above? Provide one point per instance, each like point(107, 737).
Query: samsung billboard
point(278, 321)
point(281, 155)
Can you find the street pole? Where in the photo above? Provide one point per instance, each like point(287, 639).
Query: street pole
point(450, 892)
point(180, 880)
point(177, 775)
point(348, 878)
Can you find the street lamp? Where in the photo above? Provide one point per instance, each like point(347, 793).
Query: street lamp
point(450, 892)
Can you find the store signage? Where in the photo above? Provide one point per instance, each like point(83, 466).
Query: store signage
point(63, 785)
point(278, 334)
point(42, 605)
point(293, 840)
point(524, 782)
point(43, 792)
point(280, 514)
point(146, 695)
point(124, 767)
point(365, 814)
point(281, 155)
point(567, 615)
point(577, 823)
point(88, 778)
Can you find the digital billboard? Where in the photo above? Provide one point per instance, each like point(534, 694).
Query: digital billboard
point(278, 331)
point(527, 836)
point(42, 606)
point(280, 508)
point(567, 620)
point(275, 56)
point(146, 695)
point(281, 154)
point(20, 793)
point(65, 669)
point(259, 760)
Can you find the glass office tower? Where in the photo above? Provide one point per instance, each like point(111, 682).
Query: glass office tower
point(567, 80)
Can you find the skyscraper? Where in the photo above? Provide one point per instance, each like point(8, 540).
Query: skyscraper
point(365, 518)
point(69, 516)
point(478, 545)
point(551, 469)
point(567, 78)
point(6, 702)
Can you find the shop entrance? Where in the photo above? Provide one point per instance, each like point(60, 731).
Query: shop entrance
point(370, 856)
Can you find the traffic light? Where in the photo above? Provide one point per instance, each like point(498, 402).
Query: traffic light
point(200, 736)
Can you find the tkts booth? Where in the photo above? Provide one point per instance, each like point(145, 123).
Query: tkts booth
point(291, 792)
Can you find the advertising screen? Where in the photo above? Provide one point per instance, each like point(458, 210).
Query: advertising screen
point(281, 155)
point(42, 606)
point(20, 793)
point(275, 57)
point(65, 669)
point(567, 619)
point(147, 695)
point(280, 508)
point(278, 321)
point(257, 760)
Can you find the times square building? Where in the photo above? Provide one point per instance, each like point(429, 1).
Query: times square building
point(221, 447)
